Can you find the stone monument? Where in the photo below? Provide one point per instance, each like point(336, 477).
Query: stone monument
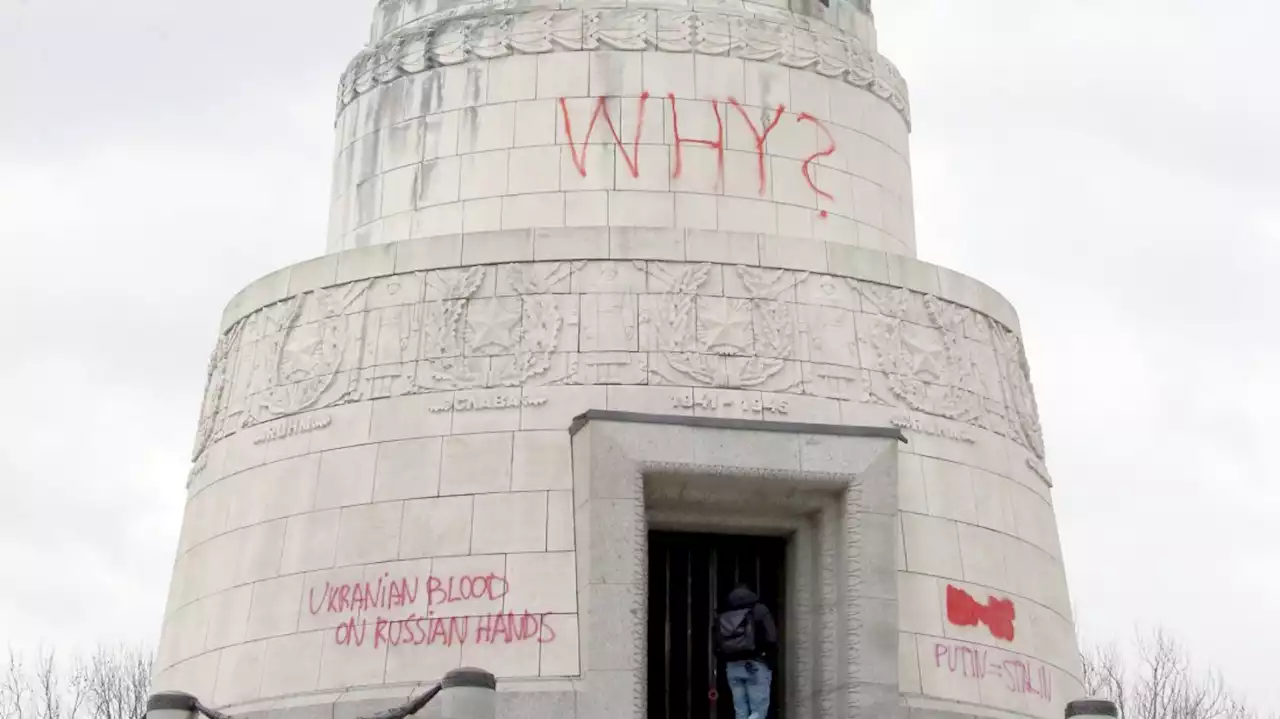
point(620, 306)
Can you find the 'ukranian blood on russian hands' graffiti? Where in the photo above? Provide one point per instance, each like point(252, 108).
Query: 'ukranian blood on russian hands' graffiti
point(372, 617)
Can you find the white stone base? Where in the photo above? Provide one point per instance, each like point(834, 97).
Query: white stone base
point(389, 412)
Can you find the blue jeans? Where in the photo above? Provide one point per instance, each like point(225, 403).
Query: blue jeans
point(750, 682)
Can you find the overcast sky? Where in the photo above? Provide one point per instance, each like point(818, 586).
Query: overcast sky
point(1109, 165)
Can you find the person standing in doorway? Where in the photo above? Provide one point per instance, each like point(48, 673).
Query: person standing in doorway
point(746, 639)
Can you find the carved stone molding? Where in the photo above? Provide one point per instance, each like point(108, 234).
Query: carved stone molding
point(634, 322)
point(842, 507)
point(465, 34)
point(393, 7)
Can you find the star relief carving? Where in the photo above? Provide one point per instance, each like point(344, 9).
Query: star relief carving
point(725, 327)
point(491, 325)
point(925, 358)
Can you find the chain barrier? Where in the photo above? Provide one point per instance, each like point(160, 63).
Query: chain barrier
point(408, 709)
point(180, 705)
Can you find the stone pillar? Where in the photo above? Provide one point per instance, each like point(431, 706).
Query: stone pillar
point(171, 705)
point(743, 119)
point(465, 694)
point(1091, 709)
point(700, 210)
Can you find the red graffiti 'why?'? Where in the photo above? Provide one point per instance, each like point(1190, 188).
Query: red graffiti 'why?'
point(631, 158)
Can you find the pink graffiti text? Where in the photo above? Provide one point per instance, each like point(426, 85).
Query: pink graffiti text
point(417, 630)
point(600, 115)
point(392, 593)
point(1015, 674)
point(368, 604)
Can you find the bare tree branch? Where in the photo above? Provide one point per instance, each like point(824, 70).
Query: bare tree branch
point(16, 688)
point(111, 683)
point(1164, 683)
point(48, 694)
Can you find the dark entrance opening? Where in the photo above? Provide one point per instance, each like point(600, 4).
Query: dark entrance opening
point(689, 576)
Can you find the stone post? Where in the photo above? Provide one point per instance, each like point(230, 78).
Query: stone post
point(171, 705)
point(465, 693)
point(1091, 709)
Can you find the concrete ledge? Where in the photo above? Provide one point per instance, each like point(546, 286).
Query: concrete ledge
point(700, 246)
point(171, 701)
point(469, 677)
point(392, 16)
point(604, 415)
point(515, 700)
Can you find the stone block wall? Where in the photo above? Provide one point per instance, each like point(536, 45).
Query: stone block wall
point(383, 486)
point(700, 209)
point(623, 117)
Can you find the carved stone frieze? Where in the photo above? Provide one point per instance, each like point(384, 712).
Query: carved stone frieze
point(916, 345)
point(829, 334)
point(445, 332)
point(541, 326)
point(762, 283)
point(492, 324)
point(537, 278)
point(678, 324)
point(303, 358)
point(589, 368)
point(719, 342)
point(390, 12)
point(283, 360)
point(217, 393)
point(838, 382)
point(1022, 413)
point(929, 361)
point(485, 31)
point(724, 326)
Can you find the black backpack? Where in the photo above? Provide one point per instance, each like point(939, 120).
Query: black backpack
point(736, 631)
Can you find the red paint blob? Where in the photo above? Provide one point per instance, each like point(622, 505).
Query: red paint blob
point(823, 214)
point(965, 611)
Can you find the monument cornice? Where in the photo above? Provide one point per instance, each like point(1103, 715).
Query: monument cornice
point(386, 8)
point(511, 247)
point(493, 30)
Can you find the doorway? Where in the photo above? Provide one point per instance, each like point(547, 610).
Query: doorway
point(689, 576)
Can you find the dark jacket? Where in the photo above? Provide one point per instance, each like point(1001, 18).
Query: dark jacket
point(766, 630)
